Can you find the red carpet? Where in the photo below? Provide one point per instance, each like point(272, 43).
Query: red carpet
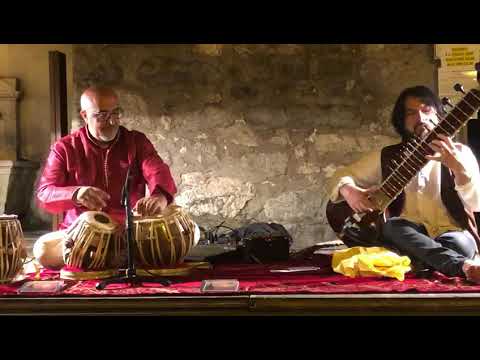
point(257, 279)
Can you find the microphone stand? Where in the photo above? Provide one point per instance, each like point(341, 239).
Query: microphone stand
point(130, 276)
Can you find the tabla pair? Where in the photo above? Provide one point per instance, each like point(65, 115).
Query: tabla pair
point(95, 244)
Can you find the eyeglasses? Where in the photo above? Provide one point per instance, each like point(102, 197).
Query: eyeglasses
point(116, 113)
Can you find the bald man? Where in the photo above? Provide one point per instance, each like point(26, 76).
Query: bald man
point(86, 170)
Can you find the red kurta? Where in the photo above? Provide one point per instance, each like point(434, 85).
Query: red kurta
point(76, 161)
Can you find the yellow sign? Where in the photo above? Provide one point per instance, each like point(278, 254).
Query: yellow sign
point(460, 56)
point(457, 57)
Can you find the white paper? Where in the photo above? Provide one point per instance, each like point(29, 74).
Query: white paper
point(297, 269)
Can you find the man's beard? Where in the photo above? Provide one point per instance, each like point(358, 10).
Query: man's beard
point(421, 130)
point(107, 138)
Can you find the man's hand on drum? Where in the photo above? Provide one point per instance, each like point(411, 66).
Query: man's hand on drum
point(91, 197)
point(152, 205)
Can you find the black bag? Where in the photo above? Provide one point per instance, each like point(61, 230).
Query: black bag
point(258, 242)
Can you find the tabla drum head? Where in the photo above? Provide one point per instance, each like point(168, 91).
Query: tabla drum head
point(8, 217)
point(99, 220)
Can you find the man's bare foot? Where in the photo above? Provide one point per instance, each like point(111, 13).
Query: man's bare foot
point(471, 269)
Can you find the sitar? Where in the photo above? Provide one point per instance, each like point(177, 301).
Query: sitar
point(364, 228)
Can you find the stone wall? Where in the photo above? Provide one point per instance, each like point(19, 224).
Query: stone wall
point(253, 132)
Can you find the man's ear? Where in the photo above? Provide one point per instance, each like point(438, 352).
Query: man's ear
point(83, 114)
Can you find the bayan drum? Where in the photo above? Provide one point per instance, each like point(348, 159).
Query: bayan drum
point(12, 250)
point(163, 241)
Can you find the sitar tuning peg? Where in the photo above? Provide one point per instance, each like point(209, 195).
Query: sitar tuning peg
point(446, 101)
point(459, 87)
point(477, 69)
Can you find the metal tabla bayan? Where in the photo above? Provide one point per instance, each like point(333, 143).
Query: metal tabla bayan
point(163, 241)
point(12, 249)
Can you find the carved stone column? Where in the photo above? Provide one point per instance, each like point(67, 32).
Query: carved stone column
point(8, 119)
point(16, 186)
point(16, 176)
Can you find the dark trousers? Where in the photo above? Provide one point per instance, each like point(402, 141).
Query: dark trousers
point(446, 253)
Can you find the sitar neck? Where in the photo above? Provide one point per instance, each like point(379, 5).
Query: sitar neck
point(412, 157)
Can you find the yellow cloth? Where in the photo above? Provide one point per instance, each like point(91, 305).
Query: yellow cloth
point(370, 261)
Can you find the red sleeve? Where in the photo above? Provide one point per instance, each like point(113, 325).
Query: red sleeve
point(155, 171)
point(52, 193)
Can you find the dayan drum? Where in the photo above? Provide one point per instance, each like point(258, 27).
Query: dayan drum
point(163, 240)
point(12, 250)
point(93, 243)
